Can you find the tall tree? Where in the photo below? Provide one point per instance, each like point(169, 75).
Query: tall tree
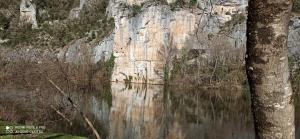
point(267, 68)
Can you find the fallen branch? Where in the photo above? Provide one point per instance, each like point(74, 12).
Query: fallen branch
point(76, 107)
point(61, 114)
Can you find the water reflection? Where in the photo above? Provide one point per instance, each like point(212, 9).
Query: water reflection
point(148, 112)
point(153, 112)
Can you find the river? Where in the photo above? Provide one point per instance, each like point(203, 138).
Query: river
point(137, 112)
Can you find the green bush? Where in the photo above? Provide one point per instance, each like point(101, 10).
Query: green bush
point(183, 3)
point(177, 4)
point(193, 2)
point(24, 35)
point(136, 9)
point(59, 33)
point(57, 9)
point(296, 6)
point(4, 21)
point(110, 65)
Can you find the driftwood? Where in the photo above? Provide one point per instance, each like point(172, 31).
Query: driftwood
point(76, 107)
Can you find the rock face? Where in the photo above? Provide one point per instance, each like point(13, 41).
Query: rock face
point(28, 13)
point(83, 51)
point(142, 44)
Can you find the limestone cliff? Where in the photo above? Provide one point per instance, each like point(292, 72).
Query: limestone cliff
point(147, 34)
point(28, 13)
point(142, 43)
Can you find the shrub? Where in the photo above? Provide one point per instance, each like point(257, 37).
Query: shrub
point(110, 65)
point(193, 2)
point(296, 6)
point(4, 21)
point(136, 9)
point(183, 3)
point(10, 4)
point(59, 33)
point(176, 4)
point(57, 9)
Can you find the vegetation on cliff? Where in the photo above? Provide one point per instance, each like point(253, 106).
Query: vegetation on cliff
point(55, 28)
point(296, 6)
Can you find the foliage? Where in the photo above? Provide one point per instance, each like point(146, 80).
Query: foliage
point(177, 4)
point(193, 2)
point(166, 74)
point(182, 4)
point(4, 21)
point(179, 64)
point(217, 65)
point(296, 6)
point(107, 94)
point(136, 9)
point(10, 4)
point(24, 35)
point(58, 33)
point(110, 65)
point(56, 9)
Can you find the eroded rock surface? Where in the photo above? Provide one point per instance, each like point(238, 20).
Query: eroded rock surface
point(28, 13)
point(146, 37)
point(142, 43)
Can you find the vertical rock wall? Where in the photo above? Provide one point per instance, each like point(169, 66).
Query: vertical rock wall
point(140, 42)
point(143, 43)
point(28, 13)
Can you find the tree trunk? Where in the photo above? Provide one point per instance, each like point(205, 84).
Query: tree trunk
point(267, 68)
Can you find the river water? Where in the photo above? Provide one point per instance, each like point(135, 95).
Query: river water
point(137, 112)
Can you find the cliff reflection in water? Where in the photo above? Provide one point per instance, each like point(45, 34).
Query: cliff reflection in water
point(139, 112)
point(153, 112)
